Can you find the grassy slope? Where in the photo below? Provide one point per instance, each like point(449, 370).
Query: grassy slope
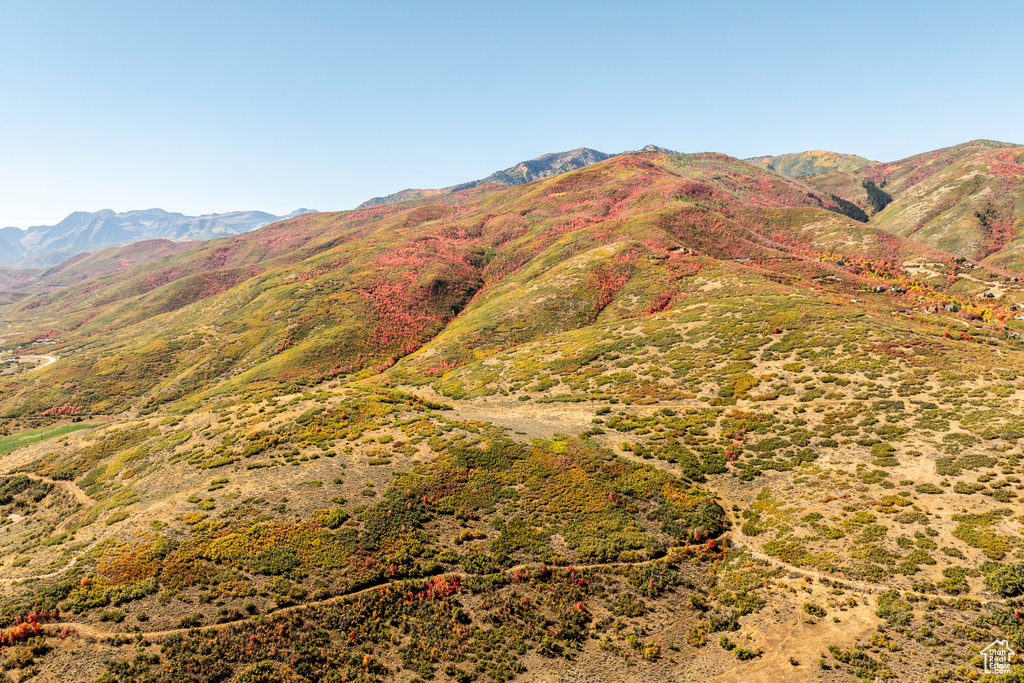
point(816, 161)
point(967, 199)
point(86, 266)
point(637, 358)
point(22, 439)
point(896, 177)
point(112, 260)
point(351, 293)
point(848, 185)
point(972, 208)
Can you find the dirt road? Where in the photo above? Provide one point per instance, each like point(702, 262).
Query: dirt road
point(68, 487)
point(79, 495)
point(47, 360)
point(89, 631)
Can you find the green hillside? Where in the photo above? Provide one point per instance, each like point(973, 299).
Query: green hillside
point(17, 283)
point(665, 416)
point(329, 295)
point(896, 177)
point(966, 199)
point(859, 191)
point(810, 163)
point(973, 208)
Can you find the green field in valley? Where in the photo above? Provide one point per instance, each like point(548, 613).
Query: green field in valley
point(15, 441)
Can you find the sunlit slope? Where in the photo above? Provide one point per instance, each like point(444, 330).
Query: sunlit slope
point(654, 416)
point(967, 199)
point(348, 294)
point(812, 162)
point(973, 208)
point(18, 283)
point(896, 177)
point(860, 192)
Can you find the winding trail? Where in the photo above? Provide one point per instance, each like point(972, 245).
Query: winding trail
point(530, 419)
point(90, 631)
point(68, 487)
point(80, 496)
point(57, 572)
point(521, 418)
point(47, 360)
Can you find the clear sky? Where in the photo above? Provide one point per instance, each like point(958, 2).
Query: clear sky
point(215, 106)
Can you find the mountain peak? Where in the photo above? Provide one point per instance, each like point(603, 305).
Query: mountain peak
point(655, 148)
point(544, 166)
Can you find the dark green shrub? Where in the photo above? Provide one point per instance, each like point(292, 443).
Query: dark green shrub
point(814, 610)
point(1006, 579)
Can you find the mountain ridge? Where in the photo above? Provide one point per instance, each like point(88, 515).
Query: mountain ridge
point(544, 166)
point(711, 203)
point(89, 231)
point(812, 162)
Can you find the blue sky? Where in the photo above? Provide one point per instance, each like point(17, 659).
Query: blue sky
point(215, 106)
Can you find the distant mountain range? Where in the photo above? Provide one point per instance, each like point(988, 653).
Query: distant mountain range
point(43, 246)
point(524, 172)
point(84, 232)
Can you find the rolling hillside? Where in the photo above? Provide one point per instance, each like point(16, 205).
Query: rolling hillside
point(88, 265)
point(661, 417)
point(810, 163)
point(328, 294)
point(967, 199)
point(973, 208)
